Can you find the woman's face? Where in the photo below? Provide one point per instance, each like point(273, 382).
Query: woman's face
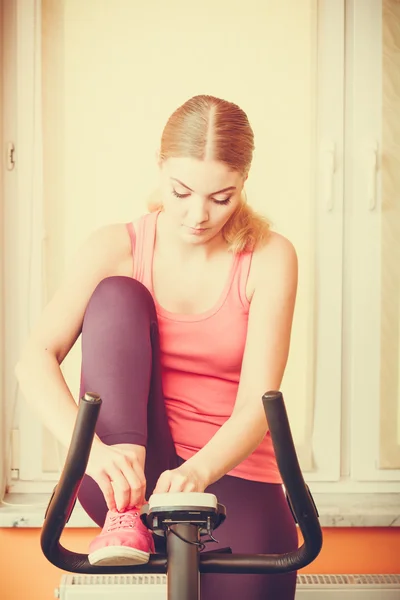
point(198, 196)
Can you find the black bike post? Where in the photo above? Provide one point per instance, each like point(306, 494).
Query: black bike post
point(183, 562)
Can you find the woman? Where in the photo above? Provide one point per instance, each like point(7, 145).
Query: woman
point(185, 318)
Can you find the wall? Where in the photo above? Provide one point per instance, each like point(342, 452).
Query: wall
point(112, 75)
point(26, 575)
point(390, 239)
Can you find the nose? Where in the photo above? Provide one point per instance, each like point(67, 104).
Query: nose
point(197, 212)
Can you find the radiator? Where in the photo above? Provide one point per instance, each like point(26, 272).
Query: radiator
point(153, 587)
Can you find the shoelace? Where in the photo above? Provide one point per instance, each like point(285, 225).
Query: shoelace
point(125, 520)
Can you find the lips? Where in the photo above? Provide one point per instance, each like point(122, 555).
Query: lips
point(195, 230)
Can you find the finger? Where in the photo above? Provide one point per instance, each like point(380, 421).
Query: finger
point(137, 485)
point(137, 467)
point(137, 480)
point(163, 483)
point(104, 483)
point(189, 486)
point(178, 484)
point(137, 497)
point(122, 489)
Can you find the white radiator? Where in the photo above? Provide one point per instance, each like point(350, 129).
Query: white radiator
point(153, 587)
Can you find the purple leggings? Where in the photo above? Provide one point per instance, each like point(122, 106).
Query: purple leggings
point(120, 362)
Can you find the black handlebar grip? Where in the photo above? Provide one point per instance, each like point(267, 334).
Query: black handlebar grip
point(64, 498)
point(299, 495)
point(65, 493)
point(300, 499)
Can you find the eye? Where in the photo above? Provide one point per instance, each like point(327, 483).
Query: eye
point(223, 202)
point(179, 195)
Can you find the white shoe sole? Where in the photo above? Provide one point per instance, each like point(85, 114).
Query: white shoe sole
point(111, 556)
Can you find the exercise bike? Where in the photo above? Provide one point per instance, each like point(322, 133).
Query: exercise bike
point(184, 519)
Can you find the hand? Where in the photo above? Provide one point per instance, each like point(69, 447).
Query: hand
point(183, 479)
point(119, 475)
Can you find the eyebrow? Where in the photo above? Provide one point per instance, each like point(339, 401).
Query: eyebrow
point(232, 187)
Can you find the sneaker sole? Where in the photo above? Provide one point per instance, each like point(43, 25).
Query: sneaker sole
point(110, 556)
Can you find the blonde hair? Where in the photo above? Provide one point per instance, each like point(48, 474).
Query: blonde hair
point(209, 128)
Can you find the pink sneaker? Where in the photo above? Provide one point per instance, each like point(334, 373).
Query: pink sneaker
point(123, 541)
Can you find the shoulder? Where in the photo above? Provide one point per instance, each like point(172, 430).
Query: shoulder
point(110, 246)
point(113, 238)
point(277, 250)
point(274, 263)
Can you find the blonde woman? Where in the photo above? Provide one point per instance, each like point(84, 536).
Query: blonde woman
point(185, 317)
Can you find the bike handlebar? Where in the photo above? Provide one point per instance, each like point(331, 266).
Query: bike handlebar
point(64, 497)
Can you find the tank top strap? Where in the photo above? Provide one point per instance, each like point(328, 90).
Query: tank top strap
point(142, 234)
point(132, 235)
point(241, 277)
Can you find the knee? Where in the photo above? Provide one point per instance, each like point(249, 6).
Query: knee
point(122, 294)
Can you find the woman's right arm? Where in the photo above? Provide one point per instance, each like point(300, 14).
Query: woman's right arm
point(106, 252)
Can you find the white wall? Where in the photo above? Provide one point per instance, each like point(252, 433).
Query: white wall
point(113, 73)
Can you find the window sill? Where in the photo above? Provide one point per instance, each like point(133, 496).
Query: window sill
point(335, 510)
point(28, 510)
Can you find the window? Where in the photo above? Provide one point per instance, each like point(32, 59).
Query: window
point(24, 282)
point(336, 204)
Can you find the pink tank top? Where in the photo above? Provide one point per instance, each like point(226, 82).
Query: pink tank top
point(201, 359)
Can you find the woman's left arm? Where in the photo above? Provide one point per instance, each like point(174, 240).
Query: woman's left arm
point(264, 361)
